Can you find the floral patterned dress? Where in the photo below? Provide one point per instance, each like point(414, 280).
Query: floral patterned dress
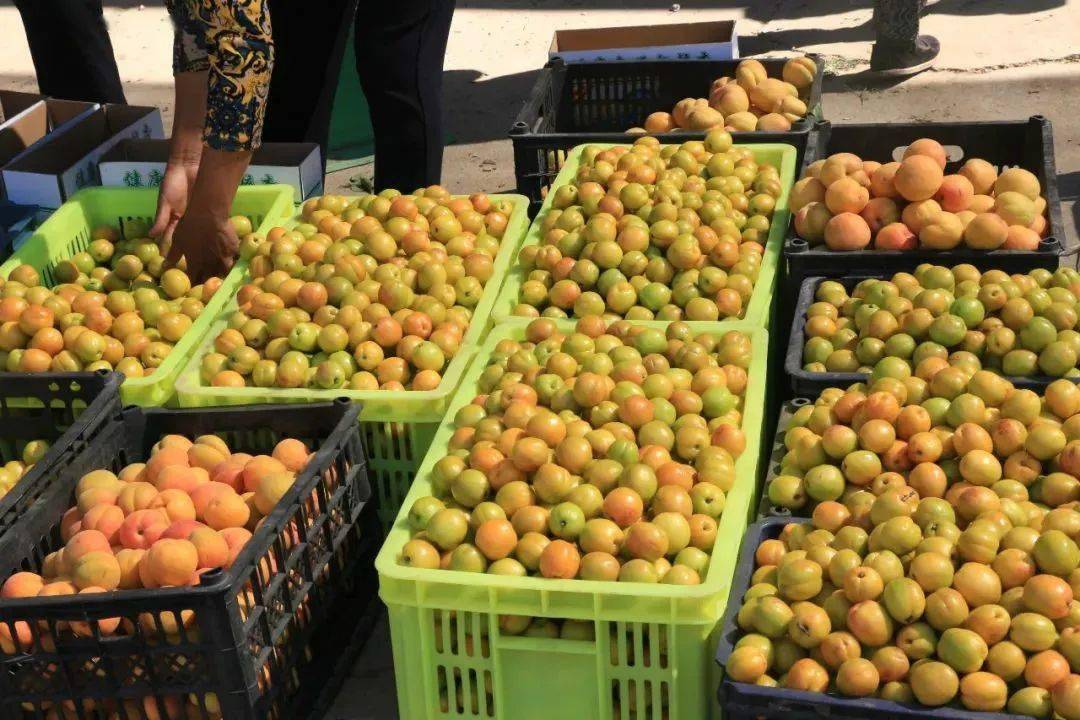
point(231, 41)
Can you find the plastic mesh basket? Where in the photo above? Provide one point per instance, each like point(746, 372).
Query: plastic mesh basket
point(597, 102)
point(651, 656)
point(68, 232)
point(249, 640)
point(397, 425)
point(758, 310)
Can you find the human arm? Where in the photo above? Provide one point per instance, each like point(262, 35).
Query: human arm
point(185, 153)
point(223, 60)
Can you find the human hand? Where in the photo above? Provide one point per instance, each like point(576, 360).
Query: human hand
point(173, 198)
point(207, 241)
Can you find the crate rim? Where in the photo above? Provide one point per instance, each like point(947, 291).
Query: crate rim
point(713, 584)
point(190, 388)
point(759, 307)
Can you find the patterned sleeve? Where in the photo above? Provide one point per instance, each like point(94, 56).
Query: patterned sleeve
point(231, 39)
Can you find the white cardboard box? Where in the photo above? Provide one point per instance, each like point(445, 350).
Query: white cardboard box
point(715, 40)
point(47, 174)
point(27, 119)
point(141, 163)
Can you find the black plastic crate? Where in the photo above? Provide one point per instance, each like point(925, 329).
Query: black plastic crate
point(63, 408)
point(257, 640)
point(744, 701)
point(597, 102)
point(810, 384)
point(1025, 143)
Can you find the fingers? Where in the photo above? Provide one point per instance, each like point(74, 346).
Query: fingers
point(176, 251)
point(164, 218)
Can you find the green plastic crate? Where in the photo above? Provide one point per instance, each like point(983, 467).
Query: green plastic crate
point(435, 614)
point(397, 426)
point(758, 310)
point(68, 230)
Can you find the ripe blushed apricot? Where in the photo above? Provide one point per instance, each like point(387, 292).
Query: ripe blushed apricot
point(560, 559)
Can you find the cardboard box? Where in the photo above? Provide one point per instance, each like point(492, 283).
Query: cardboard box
point(717, 40)
point(47, 174)
point(27, 118)
point(141, 163)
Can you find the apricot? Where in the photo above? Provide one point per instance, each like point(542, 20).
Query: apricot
point(177, 477)
point(847, 231)
point(293, 454)
point(930, 148)
point(258, 468)
point(235, 538)
point(981, 204)
point(205, 456)
point(1046, 669)
point(1018, 180)
point(560, 559)
point(167, 456)
point(212, 548)
point(800, 72)
point(943, 232)
point(271, 489)
point(203, 494)
point(136, 496)
point(95, 497)
point(986, 231)
point(983, 691)
point(980, 174)
point(176, 504)
point(141, 528)
point(171, 562)
point(16, 637)
point(918, 177)
point(106, 519)
point(131, 473)
point(229, 473)
point(1015, 208)
point(955, 193)
point(810, 221)
point(659, 122)
point(22, 585)
point(879, 212)
point(882, 180)
point(1021, 238)
point(917, 214)
point(846, 196)
point(128, 559)
point(896, 236)
point(96, 569)
point(215, 442)
point(98, 479)
point(226, 510)
point(181, 529)
point(83, 543)
point(804, 192)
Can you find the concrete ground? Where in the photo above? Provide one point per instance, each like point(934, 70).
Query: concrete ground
point(1000, 59)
